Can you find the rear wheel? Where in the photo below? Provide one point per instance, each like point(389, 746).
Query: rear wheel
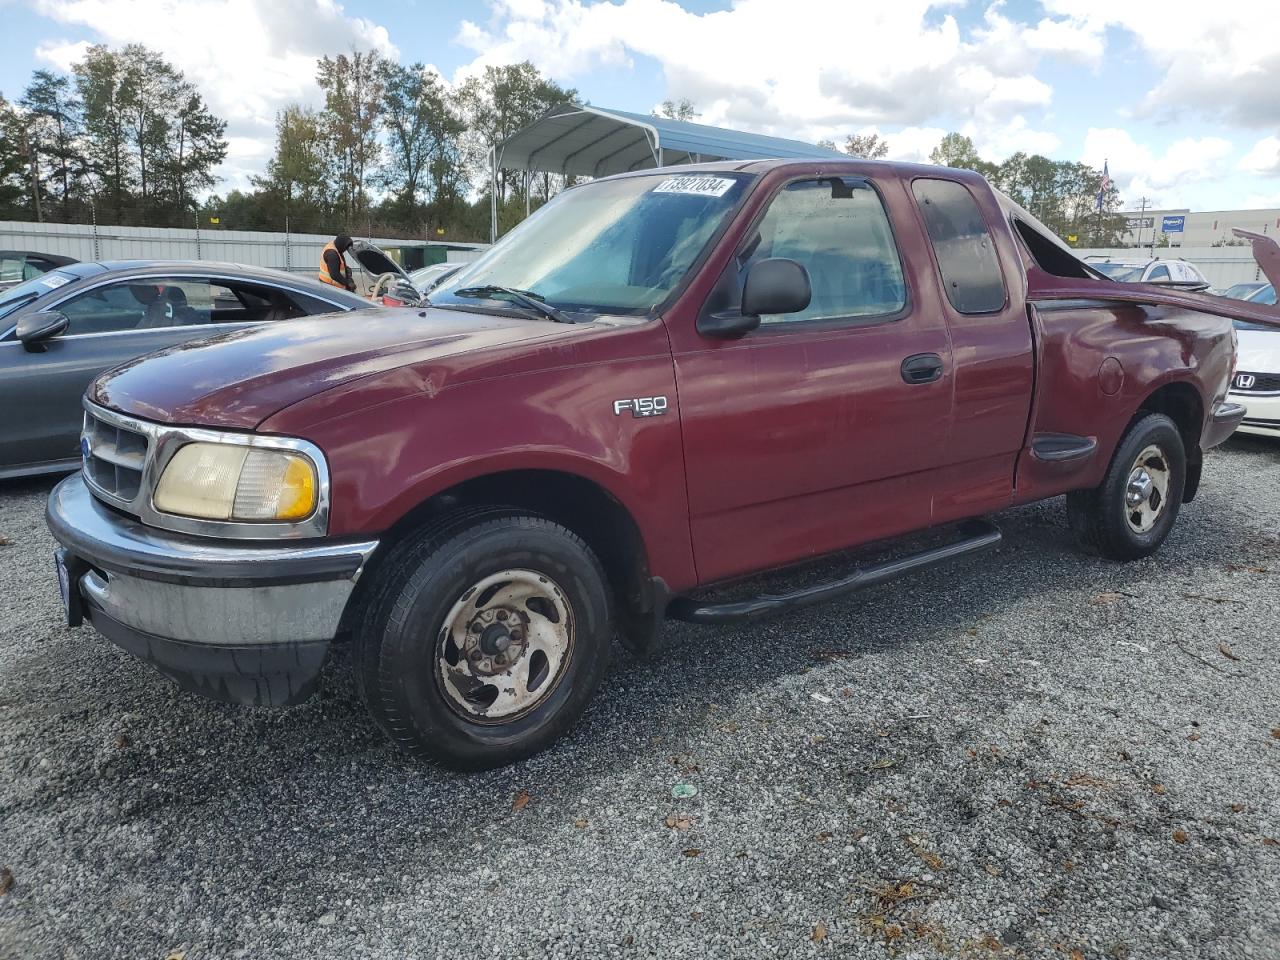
point(1131, 512)
point(484, 640)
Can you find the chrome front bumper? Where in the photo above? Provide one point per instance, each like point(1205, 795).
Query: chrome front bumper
point(233, 620)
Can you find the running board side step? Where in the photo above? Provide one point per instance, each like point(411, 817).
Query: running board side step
point(977, 535)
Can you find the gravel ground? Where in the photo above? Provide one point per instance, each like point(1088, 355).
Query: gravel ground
point(1030, 754)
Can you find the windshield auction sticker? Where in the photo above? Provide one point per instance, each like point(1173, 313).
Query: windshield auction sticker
point(53, 281)
point(701, 186)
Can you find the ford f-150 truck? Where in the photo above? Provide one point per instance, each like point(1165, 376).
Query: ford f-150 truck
point(660, 382)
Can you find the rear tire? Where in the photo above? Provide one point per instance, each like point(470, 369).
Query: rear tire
point(1129, 515)
point(484, 639)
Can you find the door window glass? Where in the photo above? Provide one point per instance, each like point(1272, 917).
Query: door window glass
point(962, 243)
point(837, 229)
point(11, 270)
point(1161, 272)
point(139, 305)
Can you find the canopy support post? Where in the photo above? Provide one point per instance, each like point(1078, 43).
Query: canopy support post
point(493, 194)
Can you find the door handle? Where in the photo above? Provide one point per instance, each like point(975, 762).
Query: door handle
point(922, 368)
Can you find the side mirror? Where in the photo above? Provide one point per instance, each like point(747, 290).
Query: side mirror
point(35, 328)
point(773, 286)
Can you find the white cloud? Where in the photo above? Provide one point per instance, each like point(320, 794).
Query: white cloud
point(805, 68)
point(247, 57)
point(1163, 178)
point(1219, 60)
point(61, 54)
point(1264, 158)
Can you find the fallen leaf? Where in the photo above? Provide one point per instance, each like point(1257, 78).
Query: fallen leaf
point(692, 852)
point(6, 881)
point(581, 823)
point(1275, 733)
point(992, 869)
point(817, 738)
point(121, 741)
point(1179, 836)
point(1244, 568)
point(1270, 842)
point(823, 837)
point(846, 692)
point(1194, 737)
point(892, 932)
point(884, 764)
point(1237, 808)
point(5, 542)
point(177, 955)
point(728, 728)
point(1108, 597)
point(678, 823)
point(521, 801)
point(1076, 954)
point(819, 932)
point(931, 859)
point(1226, 652)
point(1069, 866)
point(1158, 789)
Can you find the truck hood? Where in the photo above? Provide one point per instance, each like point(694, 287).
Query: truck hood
point(241, 378)
point(1258, 351)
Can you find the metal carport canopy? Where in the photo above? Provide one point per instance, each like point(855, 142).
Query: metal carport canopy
point(590, 141)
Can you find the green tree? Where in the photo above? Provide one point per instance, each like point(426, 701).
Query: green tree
point(497, 104)
point(957, 150)
point(422, 132)
point(54, 129)
point(682, 109)
point(353, 100)
point(147, 87)
point(296, 188)
point(868, 146)
point(99, 79)
point(196, 147)
point(14, 195)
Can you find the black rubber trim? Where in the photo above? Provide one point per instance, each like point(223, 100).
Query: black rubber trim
point(260, 674)
point(1226, 412)
point(1058, 447)
point(977, 535)
point(1259, 422)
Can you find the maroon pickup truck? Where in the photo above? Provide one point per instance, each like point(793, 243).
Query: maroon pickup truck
point(660, 382)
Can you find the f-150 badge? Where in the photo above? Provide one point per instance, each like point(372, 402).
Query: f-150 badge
point(641, 406)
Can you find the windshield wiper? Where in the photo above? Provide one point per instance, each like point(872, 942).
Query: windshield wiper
point(526, 298)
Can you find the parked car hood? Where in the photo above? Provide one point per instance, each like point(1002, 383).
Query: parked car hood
point(1258, 351)
point(374, 260)
point(240, 378)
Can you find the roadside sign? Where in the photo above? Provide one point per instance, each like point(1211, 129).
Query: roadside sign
point(215, 219)
point(1072, 238)
point(1173, 224)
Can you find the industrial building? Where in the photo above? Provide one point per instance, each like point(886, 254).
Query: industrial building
point(1182, 228)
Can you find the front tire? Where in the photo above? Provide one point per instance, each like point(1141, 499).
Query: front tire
point(1129, 515)
point(484, 640)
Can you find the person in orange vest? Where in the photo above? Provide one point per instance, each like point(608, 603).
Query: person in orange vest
point(333, 265)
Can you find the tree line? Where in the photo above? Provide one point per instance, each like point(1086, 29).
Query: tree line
point(1061, 194)
point(126, 138)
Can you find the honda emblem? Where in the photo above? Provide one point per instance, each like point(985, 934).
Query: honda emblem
point(1245, 381)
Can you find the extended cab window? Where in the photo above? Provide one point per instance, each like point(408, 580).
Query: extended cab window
point(963, 245)
point(837, 229)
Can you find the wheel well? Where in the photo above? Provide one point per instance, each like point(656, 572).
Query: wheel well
point(1181, 403)
point(579, 504)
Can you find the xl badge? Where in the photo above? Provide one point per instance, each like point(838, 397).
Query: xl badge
point(641, 406)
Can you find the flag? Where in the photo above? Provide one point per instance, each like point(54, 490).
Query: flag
point(1105, 187)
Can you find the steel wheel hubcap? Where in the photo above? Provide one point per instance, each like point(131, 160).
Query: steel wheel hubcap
point(1147, 491)
point(504, 645)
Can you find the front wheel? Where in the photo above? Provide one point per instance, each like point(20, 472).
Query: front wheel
point(1131, 512)
point(485, 640)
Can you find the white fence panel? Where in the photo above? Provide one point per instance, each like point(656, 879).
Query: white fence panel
point(1221, 266)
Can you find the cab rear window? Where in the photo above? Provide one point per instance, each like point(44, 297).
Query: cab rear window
point(962, 243)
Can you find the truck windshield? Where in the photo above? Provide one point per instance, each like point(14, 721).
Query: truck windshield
point(617, 246)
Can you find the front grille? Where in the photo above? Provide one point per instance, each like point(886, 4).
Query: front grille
point(1262, 382)
point(113, 458)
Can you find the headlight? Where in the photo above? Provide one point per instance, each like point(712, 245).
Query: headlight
point(219, 481)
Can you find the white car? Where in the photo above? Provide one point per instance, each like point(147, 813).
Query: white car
point(1149, 270)
point(1257, 380)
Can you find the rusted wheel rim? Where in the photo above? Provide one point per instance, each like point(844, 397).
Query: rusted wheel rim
point(1146, 495)
point(504, 645)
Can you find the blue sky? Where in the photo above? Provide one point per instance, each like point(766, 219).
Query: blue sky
point(1179, 97)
